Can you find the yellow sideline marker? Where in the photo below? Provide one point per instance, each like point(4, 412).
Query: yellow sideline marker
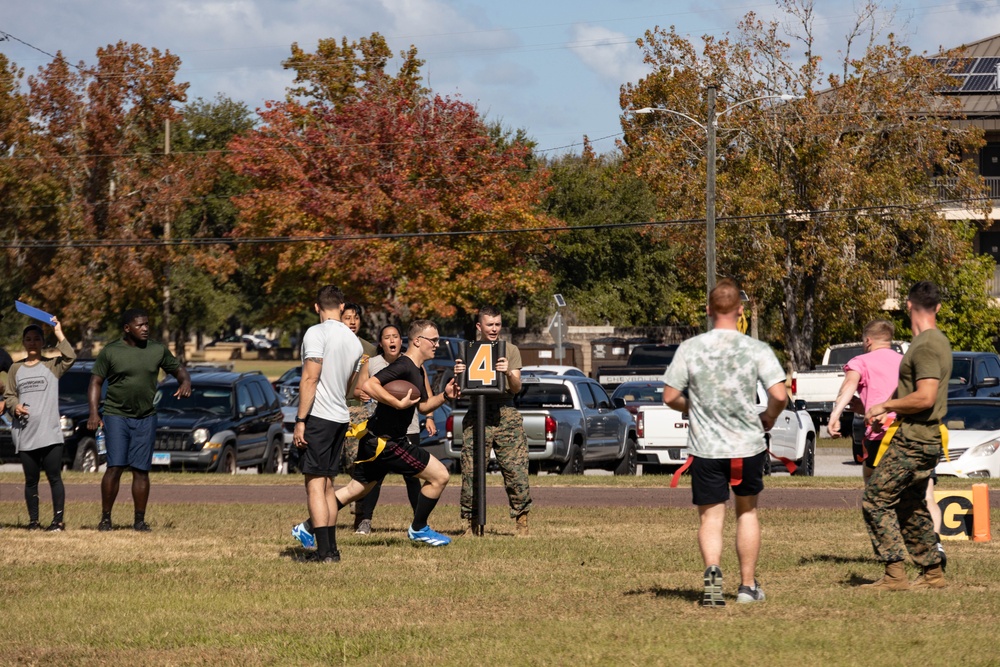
point(965, 515)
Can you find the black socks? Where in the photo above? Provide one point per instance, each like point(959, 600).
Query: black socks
point(424, 508)
point(326, 540)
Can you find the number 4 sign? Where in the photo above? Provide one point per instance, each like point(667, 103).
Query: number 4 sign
point(480, 375)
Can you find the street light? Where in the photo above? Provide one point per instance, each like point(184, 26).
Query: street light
point(710, 126)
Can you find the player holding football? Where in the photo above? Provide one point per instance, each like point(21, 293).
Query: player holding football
point(384, 448)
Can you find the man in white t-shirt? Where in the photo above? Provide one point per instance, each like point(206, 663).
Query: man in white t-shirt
point(331, 355)
point(719, 370)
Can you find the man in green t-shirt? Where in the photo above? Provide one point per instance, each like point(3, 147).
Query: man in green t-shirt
point(894, 503)
point(131, 366)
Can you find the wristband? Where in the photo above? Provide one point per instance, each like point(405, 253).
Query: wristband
point(300, 420)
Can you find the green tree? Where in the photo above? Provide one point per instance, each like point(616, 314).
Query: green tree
point(622, 276)
point(836, 189)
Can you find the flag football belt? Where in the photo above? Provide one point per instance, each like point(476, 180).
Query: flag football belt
point(378, 451)
point(357, 430)
point(735, 469)
point(891, 431)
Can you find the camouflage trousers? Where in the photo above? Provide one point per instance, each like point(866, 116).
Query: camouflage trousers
point(505, 436)
point(895, 506)
point(359, 413)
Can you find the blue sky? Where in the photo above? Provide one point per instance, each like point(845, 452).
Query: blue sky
point(551, 67)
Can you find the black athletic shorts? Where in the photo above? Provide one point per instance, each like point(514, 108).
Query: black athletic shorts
point(710, 478)
point(871, 451)
point(324, 444)
point(398, 456)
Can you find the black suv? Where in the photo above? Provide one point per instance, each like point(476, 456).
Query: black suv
point(230, 421)
point(79, 446)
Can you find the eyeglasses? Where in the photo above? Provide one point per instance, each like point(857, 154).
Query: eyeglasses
point(433, 341)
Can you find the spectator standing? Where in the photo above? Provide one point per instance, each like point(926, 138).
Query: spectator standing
point(131, 366)
point(714, 378)
point(331, 356)
point(358, 409)
point(504, 430)
point(895, 499)
point(32, 391)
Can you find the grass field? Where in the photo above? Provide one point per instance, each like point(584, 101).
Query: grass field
point(220, 584)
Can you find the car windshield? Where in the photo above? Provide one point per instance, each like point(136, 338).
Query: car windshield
point(961, 371)
point(646, 393)
point(841, 355)
point(73, 387)
point(544, 396)
point(217, 400)
point(973, 418)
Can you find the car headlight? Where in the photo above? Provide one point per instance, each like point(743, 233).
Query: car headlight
point(66, 426)
point(201, 436)
point(985, 449)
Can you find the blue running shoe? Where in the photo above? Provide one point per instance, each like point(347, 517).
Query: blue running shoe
point(305, 538)
point(429, 536)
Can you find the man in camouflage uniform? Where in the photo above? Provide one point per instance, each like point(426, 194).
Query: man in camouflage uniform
point(504, 430)
point(360, 410)
point(894, 503)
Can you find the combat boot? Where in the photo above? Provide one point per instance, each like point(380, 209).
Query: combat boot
point(932, 577)
point(521, 525)
point(470, 527)
point(893, 580)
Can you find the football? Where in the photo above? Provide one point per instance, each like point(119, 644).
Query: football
point(401, 388)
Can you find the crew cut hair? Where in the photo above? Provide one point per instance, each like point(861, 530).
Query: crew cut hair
point(879, 330)
point(487, 311)
point(132, 313)
point(924, 295)
point(724, 299)
point(329, 297)
point(417, 327)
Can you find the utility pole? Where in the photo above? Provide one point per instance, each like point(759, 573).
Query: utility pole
point(710, 127)
point(166, 267)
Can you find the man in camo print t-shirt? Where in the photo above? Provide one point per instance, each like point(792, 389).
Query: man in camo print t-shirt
point(719, 371)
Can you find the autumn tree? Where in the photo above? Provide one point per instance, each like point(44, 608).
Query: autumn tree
point(380, 163)
point(101, 127)
point(829, 194)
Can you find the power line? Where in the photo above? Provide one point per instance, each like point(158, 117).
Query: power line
point(880, 210)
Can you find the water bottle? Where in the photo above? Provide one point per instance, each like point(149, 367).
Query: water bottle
point(101, 441)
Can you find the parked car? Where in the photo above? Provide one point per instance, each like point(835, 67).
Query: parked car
point(663, 438)
point(635, 394)
point(645, 362)
point(974, 374)
point(553, 370)
point(973, 438)
point(80, 451)
point(571, 424)
point(287, 386)
point(230, 421)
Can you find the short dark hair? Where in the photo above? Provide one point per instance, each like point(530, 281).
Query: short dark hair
point(131, 314)
point(350, 305)
point(418, 326)
point(329, 297)
point(487, 311)
point(33, 327)
point(724, 299)
point(924, 295)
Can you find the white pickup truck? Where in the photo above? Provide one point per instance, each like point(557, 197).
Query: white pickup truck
point(817, 389)
point(663, 434)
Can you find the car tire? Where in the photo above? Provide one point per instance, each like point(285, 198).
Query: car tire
point(574, 464)
point(227, 461)
point(628, 464)
point(807, 464)
point(767, 462)
point(86, 459)
point(534, 467)
point(275, 460)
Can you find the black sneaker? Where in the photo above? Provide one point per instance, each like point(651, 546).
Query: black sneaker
point(34, 525)
point(314, 557)
point(56, 527)
point(713, 588)
point(141, 527)
point(105, 526)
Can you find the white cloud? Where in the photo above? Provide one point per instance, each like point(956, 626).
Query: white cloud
point(612, 55)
